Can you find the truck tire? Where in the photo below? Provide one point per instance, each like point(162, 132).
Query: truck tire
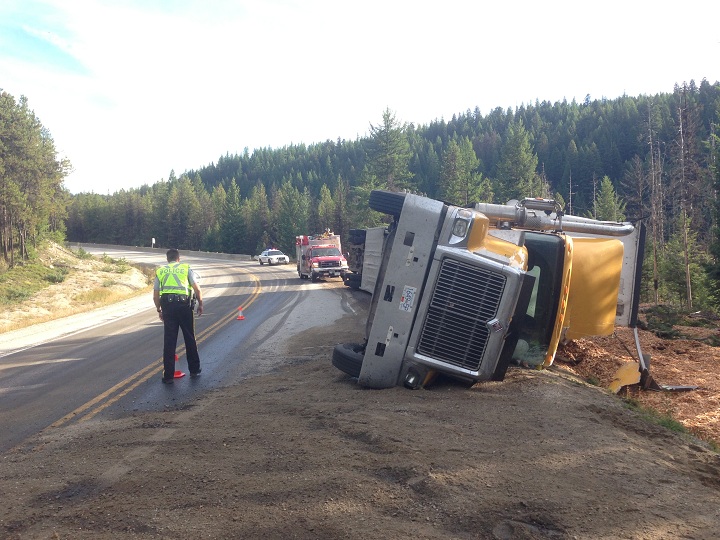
point(387, 202)
point(314, 278)
point(352, 280)
point(348, 357)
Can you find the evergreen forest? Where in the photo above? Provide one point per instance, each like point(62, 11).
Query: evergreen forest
point(653, 158)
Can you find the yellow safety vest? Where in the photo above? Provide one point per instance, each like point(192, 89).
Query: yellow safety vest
point(174, 279)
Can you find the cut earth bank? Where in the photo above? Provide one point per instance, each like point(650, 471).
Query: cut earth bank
point(305, 452)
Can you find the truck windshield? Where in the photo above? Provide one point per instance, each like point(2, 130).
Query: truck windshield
point(546, 258)
point(326, 252)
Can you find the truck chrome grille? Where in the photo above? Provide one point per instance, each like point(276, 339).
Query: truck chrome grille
point(465, 298)
point(329, 264)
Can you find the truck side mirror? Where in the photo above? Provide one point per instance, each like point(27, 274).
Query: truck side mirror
point(303, 257)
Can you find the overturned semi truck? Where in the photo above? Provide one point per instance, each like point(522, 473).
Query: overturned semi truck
point(468, 291)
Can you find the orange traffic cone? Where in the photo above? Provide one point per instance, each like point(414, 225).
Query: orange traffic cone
point(178, 374)
point(240, 316)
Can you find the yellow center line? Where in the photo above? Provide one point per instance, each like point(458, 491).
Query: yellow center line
point(149, 371)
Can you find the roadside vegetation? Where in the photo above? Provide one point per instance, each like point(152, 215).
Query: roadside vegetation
point(55, 282)
point(21, 282)
point(654, 416)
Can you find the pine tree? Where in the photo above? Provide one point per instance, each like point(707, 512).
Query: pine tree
point(715, 167)
point(690, 287)
point(517, 171)
point(389, 153)
point(256, 220)
point(231, 233)
point(608, 205)
point(688, 178)
point(218, 199)
point(183, 223)
point(291, 212)
point(341, 223)
point(326, 209)
point(460, 182)
point(360, 215)
point(450, 183)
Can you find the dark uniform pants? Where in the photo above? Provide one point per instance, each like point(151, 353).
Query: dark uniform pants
point(179, 315)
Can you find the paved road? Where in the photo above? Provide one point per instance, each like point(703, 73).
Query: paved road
point(108, 363)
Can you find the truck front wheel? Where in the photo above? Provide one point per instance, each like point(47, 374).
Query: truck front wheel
point(348, 357)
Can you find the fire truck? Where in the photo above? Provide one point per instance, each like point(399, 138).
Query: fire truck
point(320, 256)
point(469, 291)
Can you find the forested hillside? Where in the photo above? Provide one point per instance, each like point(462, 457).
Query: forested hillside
point(650, 157)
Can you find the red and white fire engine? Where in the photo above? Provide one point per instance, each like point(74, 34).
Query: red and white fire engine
point(320, 256)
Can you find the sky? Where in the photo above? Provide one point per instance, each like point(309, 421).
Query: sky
point(131, 90)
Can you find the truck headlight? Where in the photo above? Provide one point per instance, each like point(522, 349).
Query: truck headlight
point(461, 226)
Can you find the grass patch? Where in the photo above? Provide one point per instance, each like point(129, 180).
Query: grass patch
point(57, 275)
point(714, 446)
point(95, 296)
point(713, 341)
point(656, 417)
point(21, 282)
point(116, 266)
point(15, 296)
point(82, 254)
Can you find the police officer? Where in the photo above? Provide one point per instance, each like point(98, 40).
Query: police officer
point(173, 297)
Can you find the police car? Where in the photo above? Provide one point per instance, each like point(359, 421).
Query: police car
point(273, 256)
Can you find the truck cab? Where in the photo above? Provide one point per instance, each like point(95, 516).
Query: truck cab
point(468, 291)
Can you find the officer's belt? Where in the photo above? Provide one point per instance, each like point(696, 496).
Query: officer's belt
point(180, 298)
